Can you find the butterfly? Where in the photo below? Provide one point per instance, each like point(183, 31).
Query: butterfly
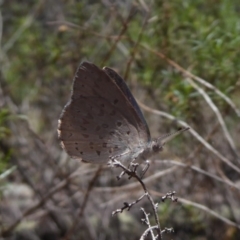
point(102, 120)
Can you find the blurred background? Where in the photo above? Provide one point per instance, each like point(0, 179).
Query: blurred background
point(181, 59)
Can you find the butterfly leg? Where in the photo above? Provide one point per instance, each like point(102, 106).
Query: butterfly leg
point(113, 162)
point(145, 168)
point(133, 166)
point(130, 170)
point(120, 175)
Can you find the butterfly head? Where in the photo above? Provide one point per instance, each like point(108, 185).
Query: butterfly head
point(157, 145)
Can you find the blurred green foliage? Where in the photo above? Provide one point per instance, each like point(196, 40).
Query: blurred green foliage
point(43, 42)
point(202, 35)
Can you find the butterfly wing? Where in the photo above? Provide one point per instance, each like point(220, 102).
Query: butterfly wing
point(123, 86)
point(99, 122)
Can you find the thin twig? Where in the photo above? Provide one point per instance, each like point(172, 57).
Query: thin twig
point(134, 185)
point(146, 220)
point(217, 113)
point(134, 49)
point(154, 208)
point(204, 208)
point(144, 235)
point(201, 171)
point(123, 30)
point(7, 172)
point(128, 205)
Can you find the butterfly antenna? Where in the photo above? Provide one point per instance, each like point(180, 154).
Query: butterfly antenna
point(168, 137)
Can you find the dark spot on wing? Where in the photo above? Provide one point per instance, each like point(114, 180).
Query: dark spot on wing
point(101, 113)
point(112, 113)
point(85, 121)
point(83, 128)
point(97, 128)
point(89, 116)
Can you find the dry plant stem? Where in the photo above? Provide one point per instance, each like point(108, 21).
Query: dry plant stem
point(170, 195)
point(167, 230)
point(194, 133)
point(217, 113)
point(225, 178)
point(136, 185)
point(7, 172)
point(228, 194)
point(211, 212)
point(184, 201)
point(201, 171)
point(124, 29)
point(84, 204)
point(150, 229)
point(146, 220)
point(132, 186)
point(203, 208)
point(230, 202)
point(199, 148)
point(128, 205)
point(129, 187)
point(134, 174)
point(134, 50)
point(192, 76)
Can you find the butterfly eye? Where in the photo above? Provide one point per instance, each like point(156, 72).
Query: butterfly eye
point(156, 147)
